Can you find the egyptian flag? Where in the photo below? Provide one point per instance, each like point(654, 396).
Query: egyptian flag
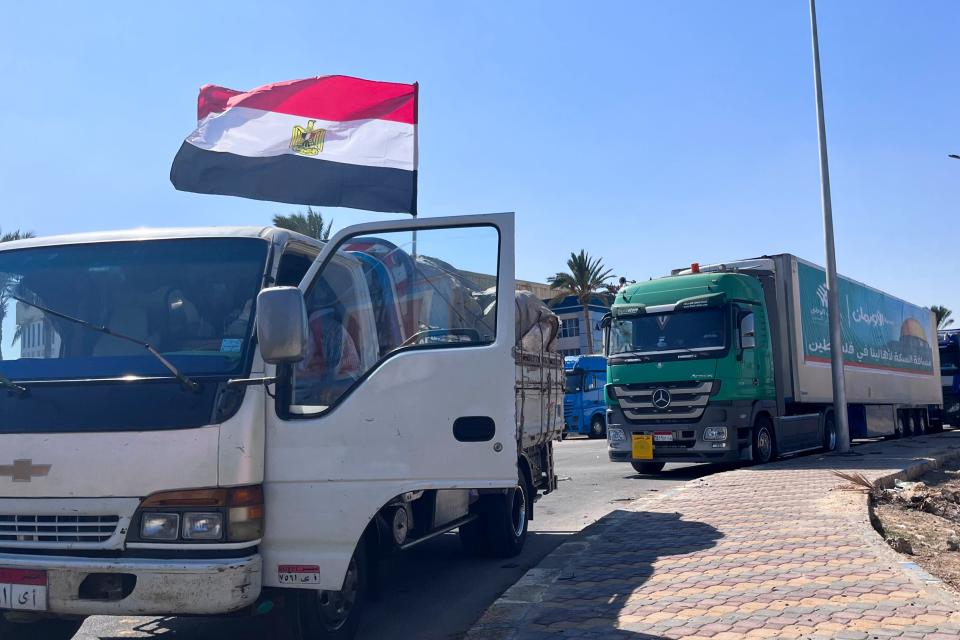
point(334, 141)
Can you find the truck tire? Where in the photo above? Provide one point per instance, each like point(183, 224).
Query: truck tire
point(598, 427)
point(829, 432)
point(900, 429)
point(919, 422)
point(334, 615)
point(45, 628)
point(647, 467)
point(507, 521)
point(764, 442)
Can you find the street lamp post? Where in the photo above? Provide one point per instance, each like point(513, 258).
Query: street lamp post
point(833, 289)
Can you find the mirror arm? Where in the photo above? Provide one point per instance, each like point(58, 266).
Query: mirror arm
point(251, 382)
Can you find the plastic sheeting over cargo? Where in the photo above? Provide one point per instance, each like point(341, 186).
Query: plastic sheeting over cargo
point(536, 325)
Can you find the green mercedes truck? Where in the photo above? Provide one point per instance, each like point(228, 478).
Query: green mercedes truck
point(731, 362)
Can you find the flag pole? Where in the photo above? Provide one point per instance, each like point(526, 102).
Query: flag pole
point(416, 156)
point(833, 289)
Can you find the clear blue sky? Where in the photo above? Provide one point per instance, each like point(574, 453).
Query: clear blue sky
point(652, 134)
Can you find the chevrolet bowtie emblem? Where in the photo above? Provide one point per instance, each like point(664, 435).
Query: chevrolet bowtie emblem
point(24, 470)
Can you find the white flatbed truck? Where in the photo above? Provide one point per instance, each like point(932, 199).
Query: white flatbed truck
point(212, 421)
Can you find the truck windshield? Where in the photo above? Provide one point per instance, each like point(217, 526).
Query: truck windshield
point(574, 381)
point(678, 332)
point(190, 298)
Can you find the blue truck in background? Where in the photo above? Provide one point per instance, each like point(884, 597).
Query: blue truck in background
point(950, 374)
point(584, 407)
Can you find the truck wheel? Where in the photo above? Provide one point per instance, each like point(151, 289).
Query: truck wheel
point(647, 467)
point(764, 443)
point(335, 615)
point(507, 520)
point(829, 432)
point(45, 628)
point(598, 427)
point(900, 426)
point(919, 423)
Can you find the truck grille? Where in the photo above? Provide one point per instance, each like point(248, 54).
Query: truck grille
point(687, 401)
point(57, 528)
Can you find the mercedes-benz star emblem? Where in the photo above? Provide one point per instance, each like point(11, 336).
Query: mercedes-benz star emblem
point(661, 398)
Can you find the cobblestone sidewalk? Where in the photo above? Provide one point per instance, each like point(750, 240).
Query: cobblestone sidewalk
point(779, 551)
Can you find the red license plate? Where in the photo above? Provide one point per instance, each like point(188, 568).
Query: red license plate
point(24, 589)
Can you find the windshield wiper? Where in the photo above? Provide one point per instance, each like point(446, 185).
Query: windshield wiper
point(10, 385)
point(193, 385)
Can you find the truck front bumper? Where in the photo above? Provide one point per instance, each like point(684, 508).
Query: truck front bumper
point(686, 442)
point(162, 587)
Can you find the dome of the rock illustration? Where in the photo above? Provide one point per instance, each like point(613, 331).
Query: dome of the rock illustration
point(912, 328)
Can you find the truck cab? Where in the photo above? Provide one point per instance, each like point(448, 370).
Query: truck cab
point(689, 365)
point(584, 405)
point(216, 420)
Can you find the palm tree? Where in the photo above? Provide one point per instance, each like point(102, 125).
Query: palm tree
point(943, 316)
point(309, 224)
point(584, 280)
point(5, 281)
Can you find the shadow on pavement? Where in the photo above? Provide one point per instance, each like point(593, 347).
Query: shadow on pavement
point(597, 582)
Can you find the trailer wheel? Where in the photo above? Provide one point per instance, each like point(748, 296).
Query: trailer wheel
point(335, 615)
point(829, 432)
point(919, 422)
point(598, 427)
point(647, 467)
point(900, 428)
point(45, 628)
point(764, 447)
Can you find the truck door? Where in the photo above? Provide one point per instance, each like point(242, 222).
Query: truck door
point(408, 384)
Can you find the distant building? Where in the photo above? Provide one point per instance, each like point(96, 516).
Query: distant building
point(37, 337)
point(573, 333)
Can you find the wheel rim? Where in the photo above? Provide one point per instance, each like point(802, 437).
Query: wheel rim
point(831, 436)
point(597, 428)
point(334, 607)
point(519, 511)
point(764, 444)
point(921, 425)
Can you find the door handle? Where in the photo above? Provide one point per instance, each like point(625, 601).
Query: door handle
point(474, 428)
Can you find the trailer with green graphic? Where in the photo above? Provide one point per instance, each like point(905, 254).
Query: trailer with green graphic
point(731, 362)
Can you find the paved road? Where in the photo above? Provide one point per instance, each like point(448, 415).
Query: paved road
point(433, 591)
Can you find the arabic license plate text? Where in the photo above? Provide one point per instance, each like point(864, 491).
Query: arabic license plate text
point(642, 447)
point(298, 574)
point(663, 436)
point(23, 589)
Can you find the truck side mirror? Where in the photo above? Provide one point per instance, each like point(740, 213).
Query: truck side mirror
point(282, 325)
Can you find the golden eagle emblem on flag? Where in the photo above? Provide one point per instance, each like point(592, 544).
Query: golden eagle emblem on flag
point(307, 141)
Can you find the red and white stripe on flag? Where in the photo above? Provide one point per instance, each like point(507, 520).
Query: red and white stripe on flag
point(332, 140)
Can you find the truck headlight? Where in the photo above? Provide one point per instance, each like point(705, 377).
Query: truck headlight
point(715, 433)
point(615, 435)
point(160, 526)
point(232, 514)
point(202, 526)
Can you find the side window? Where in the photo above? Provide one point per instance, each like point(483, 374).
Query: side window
point(748, 335)
point(293, 266)
point(433, 289)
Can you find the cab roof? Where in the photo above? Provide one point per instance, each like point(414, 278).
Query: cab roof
point(269, 233)
point(671, 289)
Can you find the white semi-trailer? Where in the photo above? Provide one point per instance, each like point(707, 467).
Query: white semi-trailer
point(203, 421)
